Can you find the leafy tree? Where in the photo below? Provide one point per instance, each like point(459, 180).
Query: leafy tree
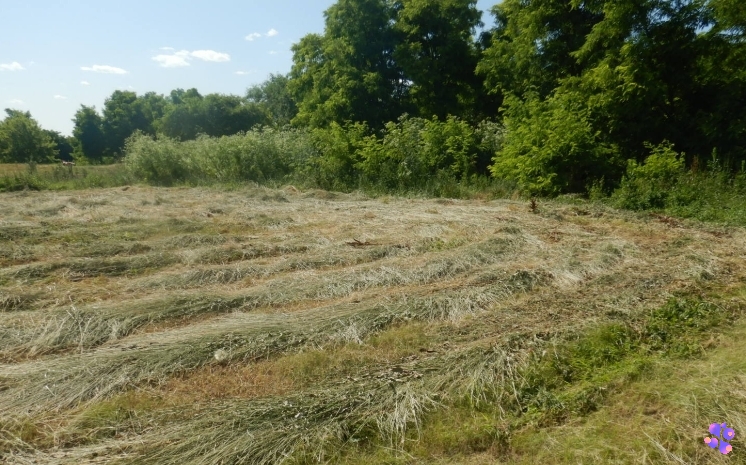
point(274, 98)
point(632, 72)
point(437, 54)
point(181, 119)
point(349, 73)
point(225, 115)
point(63, 145)
point(551, 146)
point(89, 134)
point(533, 43)
point(213, 115)
point(124, 113)
point(22, 140)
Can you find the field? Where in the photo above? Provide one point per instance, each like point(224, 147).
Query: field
point(251, 325)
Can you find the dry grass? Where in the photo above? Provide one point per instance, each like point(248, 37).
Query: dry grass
point(256, 325)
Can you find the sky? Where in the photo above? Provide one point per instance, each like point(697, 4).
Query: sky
point(56, 56)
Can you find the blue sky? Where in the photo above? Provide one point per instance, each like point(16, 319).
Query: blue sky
point(55, 56)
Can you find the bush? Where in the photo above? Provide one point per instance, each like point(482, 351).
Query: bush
point(414, 153)
point(550, 147)
point(338, 154)
point(649, 185)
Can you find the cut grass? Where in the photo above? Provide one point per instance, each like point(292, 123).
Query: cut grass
point(266, 319)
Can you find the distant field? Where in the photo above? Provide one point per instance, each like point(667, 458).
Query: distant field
point(185, 325)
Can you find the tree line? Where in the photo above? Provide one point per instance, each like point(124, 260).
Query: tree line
point(583, 89)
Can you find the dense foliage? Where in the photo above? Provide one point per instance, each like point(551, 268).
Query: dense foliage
point(560, 96)
point(23, 141)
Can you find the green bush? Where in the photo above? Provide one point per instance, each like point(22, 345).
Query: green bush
point(648, 185)
point(415, 153)
point(337, 151)
point(550, 147)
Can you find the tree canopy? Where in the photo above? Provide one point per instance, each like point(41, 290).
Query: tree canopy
point(23, 141)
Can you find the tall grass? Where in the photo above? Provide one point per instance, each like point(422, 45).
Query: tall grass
point(17, 177)
point(260, 155)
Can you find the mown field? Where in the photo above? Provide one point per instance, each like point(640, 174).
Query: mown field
point(205, 325)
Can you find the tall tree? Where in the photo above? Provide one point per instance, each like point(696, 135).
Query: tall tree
point(633, 72)
point(349, 73)
point(533, 43)
point(274, 98)
point(191, 114)
point(124, 113)
point(437, 53)
point(88, 131)
point(22, 140)
point(181, 119)
point(63, 145)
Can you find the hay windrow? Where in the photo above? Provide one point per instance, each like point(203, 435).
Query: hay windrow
point(122, 292)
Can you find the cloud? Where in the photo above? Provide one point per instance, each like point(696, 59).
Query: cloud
point(175, 60)
point(16, 101)
point(60, 97)
point(211, 55)
point(181, 58)
point(85, 83)
point(272, 52)
point(244, 73)
point(255, 35)
point(15, 66)
point(104, 69)
point(167, 49)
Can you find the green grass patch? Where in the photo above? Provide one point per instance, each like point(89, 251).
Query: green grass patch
point(570, 384)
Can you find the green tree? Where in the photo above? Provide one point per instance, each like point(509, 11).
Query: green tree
point(533, 43)
point(274, 98)
point(22, 140)
point(190, 114)
point(181, 119)
point(349, 73)
point(224, 115)
point(89, 134)
point(633, 72)
point(124, 113)
point(437, 53)
point(63, 145)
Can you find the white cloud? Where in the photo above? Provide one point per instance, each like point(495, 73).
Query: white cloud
point(272, 52)
point(244, 73)
point(272, 33)
point(175, 60)
point(105, 69)
point(15, 66)
point(211, 55)
point(252, 36)
point(167, 49)
point(85, 83)
point(181, 58)
point(60, 97)
point(16, 101)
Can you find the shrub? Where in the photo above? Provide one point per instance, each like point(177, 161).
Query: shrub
point(414, 153)
point(648, 185)
point(550, 147)
point(337, 155)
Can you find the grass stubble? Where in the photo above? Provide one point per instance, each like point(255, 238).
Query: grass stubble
point(207, 326)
